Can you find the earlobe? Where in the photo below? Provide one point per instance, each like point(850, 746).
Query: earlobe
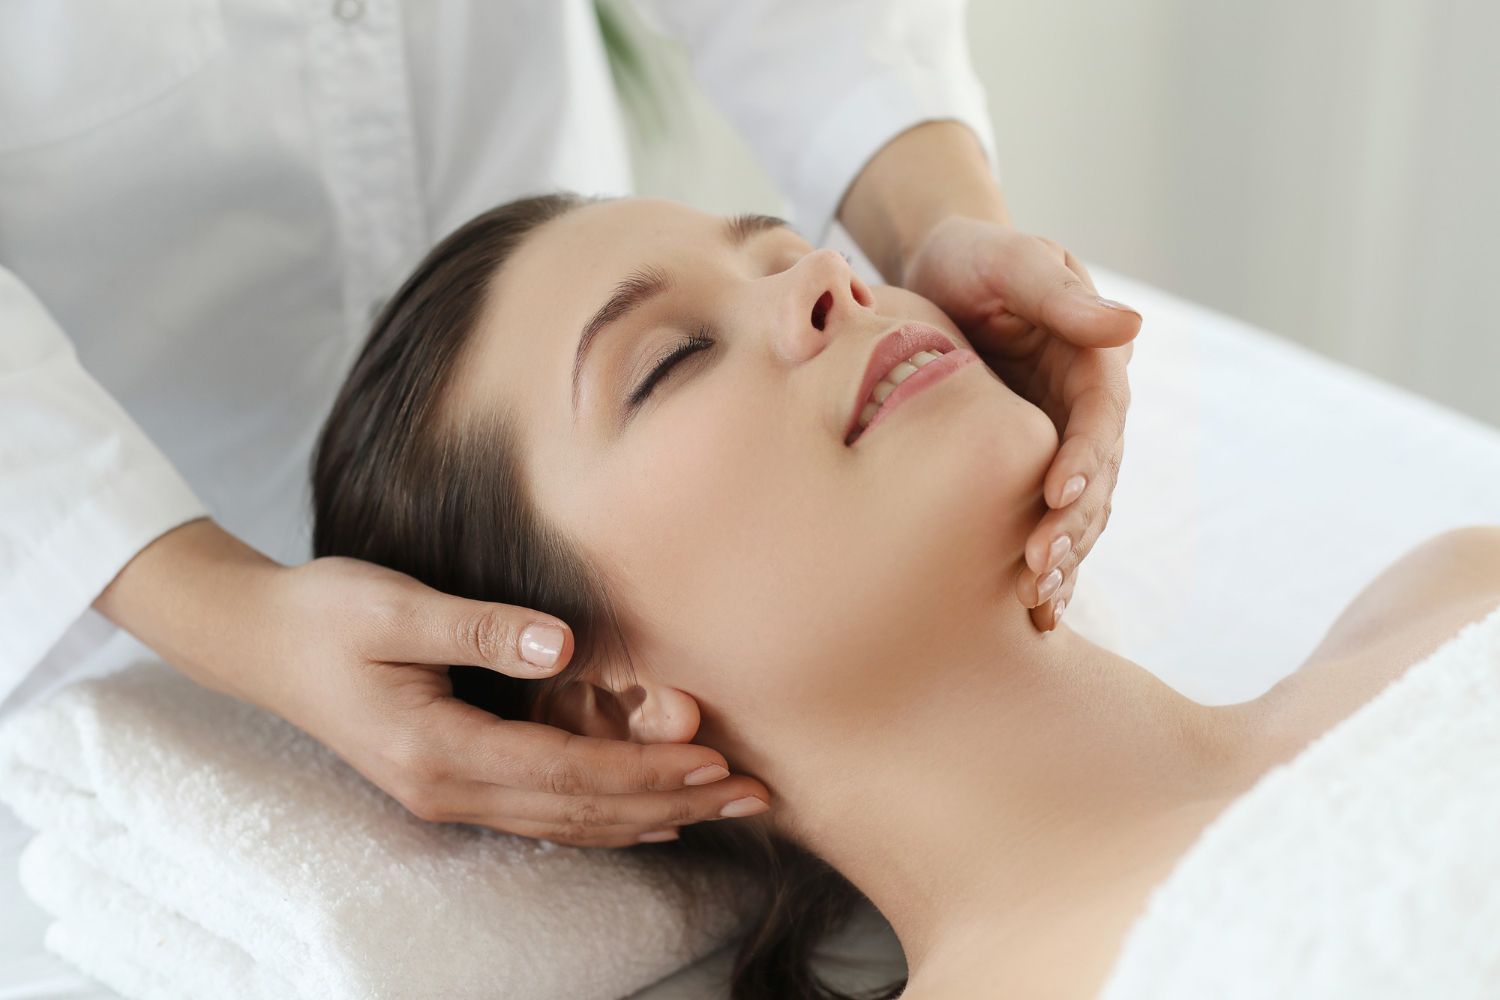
point(642, 713)
point(664, 715)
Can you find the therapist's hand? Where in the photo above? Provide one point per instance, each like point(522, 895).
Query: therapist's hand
point(356, 655)
point(1030, 310)
point(927, 212)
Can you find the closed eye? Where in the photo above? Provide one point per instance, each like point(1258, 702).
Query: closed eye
point(663, 367)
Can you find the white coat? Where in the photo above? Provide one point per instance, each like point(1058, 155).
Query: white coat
point(202, 202)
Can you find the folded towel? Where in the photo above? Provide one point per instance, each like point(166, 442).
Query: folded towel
point(1367, 866)
point(192, 845)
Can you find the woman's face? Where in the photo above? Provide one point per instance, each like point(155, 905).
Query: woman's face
point(755, 560)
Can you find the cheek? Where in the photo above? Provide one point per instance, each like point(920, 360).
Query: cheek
point(710, 519)
point(754, 563)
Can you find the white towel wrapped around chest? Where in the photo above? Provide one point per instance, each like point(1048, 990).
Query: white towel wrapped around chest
point(193, 846)
point(1368, 866)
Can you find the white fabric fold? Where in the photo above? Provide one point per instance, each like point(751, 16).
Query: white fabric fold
point(82, 491)
point(192, 845)
point(819, 88)
point(1366, 866)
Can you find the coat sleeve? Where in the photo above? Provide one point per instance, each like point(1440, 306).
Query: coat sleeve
point(82, 489)
point(818, 86)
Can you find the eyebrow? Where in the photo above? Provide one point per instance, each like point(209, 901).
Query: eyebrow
point(646, 283)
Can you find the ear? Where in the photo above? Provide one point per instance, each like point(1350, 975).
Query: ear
point(609, 703)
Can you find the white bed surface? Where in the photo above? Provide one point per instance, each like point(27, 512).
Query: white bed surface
point(1263, 487)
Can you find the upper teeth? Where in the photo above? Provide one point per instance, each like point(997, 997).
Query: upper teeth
point(893, 378)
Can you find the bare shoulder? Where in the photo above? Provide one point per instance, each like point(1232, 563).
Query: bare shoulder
point(1422, 598)
point(1408, 611)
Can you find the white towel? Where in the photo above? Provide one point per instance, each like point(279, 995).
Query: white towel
point(194, 846)
point(1367, 866)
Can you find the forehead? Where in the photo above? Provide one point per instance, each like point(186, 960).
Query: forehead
point(599, 240)
point(519, 359)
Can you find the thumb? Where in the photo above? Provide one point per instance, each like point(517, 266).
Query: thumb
point(455, 631)
point(1047, 293)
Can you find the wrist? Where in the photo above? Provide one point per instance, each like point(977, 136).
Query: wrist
point(931, 172)
point(189, 596)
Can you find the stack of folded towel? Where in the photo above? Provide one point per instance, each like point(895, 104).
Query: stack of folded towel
point(1368, 866)
point(193, 846)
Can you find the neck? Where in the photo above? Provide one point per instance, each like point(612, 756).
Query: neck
point(1031, 770)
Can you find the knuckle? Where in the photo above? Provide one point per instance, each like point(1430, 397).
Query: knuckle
point(491, 636)
point(388, 613)
point(561, 775)
point(649, 775)
point(1063, 288)
point(683, 811)
point(1086, 543)
point(1103, 454)
point(1050, 245)
point(573, 834)
point(1118, 402)
point(587, 815)
point(652, 777)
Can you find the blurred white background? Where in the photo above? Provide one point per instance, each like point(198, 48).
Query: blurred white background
point(1326, 169)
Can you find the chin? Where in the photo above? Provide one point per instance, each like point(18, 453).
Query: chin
point(973, 438)
point(959, 491)
point(996, 455)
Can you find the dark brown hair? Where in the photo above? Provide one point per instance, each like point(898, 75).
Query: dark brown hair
point(446, 502)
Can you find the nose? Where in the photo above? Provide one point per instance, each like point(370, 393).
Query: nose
point(826, 299)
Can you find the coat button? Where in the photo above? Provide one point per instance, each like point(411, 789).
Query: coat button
point(348, 11)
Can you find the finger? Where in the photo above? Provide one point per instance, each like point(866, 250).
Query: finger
point(454, 803)
point(535, 757)
point(604, 836)
point(428, 626)
point(1058, 534)
point(1093, 439)
point(1076, 266)
point(1046, 617)
point(575, 815)
point(1047, 293)
point(1080, 524)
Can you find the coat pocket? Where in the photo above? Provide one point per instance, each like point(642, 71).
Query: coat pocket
point(68, 66)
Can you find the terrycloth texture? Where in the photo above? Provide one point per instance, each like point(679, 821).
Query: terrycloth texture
point(194, 846)
point(1368, 866)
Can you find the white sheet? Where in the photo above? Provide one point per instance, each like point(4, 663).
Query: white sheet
point(1263, 487)
point(1362, 868)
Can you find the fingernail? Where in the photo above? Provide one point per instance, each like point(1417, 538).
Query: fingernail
point(1049, 584)
point(1072, 490)
point(658, 836)
point(707, 774)
point(747, 806)
point(1062, 605)
point(1112, 304)
point(1059, 548)
point(541, 643)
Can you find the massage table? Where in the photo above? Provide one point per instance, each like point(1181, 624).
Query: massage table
point(1263, 486)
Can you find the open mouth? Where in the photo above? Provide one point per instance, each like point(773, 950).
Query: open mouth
point(904, 362)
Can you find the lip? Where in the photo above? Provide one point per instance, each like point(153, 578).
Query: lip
point(891, 350)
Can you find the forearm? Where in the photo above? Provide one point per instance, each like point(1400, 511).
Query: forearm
point(185, 595)
point(925, 174)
